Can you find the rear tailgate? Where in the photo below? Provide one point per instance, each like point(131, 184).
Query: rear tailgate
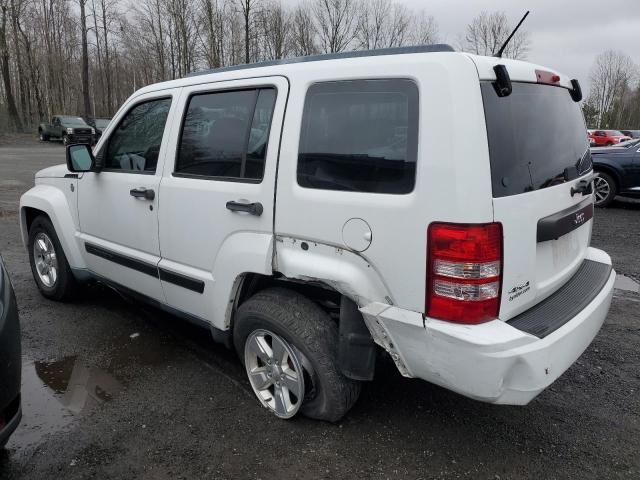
point(541, 177)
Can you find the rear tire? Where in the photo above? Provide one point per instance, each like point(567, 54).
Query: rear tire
point(43, 137)
point(314, 339)
point(605, 189)
point(48, 262)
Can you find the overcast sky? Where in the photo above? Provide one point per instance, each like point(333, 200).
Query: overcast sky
point(565, 34)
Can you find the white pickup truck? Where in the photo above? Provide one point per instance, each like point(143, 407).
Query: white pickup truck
point(314, 212)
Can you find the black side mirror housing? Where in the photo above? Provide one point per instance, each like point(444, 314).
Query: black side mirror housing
point(80, 158)
point(576, 91)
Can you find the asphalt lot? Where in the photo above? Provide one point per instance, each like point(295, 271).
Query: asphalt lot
point(113, 390)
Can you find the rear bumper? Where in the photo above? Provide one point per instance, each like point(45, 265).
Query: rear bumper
point(492, 362)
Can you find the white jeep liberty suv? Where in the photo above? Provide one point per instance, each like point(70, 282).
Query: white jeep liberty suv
point(312, 211)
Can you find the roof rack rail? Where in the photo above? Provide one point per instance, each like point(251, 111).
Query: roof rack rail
point(439, 47)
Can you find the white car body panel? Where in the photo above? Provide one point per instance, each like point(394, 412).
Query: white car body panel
point(302, 234)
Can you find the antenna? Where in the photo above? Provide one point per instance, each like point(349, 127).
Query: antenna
point(506, 42)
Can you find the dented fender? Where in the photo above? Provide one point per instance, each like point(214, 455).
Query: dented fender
point(347, 272)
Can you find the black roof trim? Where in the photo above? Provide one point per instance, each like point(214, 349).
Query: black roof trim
point(439, 47)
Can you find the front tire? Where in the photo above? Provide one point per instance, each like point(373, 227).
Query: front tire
point(65, 140)
point(605, 189)
point(279, 323)
point(48, 262)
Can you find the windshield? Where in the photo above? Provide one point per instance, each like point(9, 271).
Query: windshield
point(76, 121)
point(537, 138)
point(102, 123)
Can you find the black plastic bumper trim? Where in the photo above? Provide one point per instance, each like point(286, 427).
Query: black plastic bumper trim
point(569, 300)
point(559, 224)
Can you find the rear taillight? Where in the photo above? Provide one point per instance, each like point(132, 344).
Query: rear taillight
point(464, 272)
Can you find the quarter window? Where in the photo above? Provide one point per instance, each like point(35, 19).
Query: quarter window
point(225, 135)
point(135, 144)
point(360, 136)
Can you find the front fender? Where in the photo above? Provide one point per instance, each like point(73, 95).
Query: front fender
point(54, 204)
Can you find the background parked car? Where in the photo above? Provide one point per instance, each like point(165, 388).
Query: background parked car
point(68, 129)
point(607, 137)
point(10, 359)
point(617, 172)
point(631, 133)
point(99, 124)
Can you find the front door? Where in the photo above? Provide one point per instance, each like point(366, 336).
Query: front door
point(118, 206)
point(217, 192)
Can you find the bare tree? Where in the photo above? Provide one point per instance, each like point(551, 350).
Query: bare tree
point(303, 31)
point(382, 24)
point(85, 60)
point(335, 24)
point(488, 31)
point(611, 76)
point(424, 29)
point(4, 66)
point(274, 26)
point(247, 8)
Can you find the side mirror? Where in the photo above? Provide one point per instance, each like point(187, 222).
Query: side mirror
point(80, 158)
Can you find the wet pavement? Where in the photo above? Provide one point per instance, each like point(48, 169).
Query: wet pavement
point(115, 390)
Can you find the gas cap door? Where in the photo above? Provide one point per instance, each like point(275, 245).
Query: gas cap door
point(356, 234)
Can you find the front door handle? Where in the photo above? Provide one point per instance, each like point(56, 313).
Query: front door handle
point(146, 193)
point(252, 208)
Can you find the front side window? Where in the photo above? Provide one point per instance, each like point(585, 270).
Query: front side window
point(135, 144)
point(225, 135)
point(360, 136)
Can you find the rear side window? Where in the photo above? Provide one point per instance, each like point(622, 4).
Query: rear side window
point(225, 135)
point(360, 136)
point(536, 138)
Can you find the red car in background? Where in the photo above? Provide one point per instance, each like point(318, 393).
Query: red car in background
point(601, 138)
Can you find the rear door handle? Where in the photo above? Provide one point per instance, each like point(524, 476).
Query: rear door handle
point(146, 193)
point(252, 208)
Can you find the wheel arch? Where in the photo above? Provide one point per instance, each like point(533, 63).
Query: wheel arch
point(51, 202)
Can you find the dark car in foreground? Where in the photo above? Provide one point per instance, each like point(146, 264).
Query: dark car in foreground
point(617, 172)
point(10, 359)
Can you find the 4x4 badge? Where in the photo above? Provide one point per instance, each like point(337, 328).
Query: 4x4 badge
point(518, 290)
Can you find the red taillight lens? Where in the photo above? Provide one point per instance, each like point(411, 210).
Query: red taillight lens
point(464, 272)
point(549, 78)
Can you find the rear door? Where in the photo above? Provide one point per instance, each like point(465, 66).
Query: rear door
point(535, 178)
point(217, 192)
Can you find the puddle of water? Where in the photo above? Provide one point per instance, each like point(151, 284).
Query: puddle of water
point(54, 393)
point(626, 283)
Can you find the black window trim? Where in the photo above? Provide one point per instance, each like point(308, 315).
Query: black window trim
point(254, 88)
point(105, 147)
point(417, 143)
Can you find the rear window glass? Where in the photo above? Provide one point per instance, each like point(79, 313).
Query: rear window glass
point(537, 138)
point(360, 136)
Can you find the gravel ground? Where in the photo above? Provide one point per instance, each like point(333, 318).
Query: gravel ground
point(113, 390)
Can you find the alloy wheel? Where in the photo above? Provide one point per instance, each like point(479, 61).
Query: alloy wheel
point(45, 259)
point(602, 189)
point(275, 373)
